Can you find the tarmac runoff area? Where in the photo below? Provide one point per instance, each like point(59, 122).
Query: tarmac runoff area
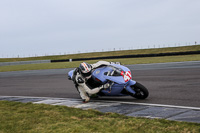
point(169, 112)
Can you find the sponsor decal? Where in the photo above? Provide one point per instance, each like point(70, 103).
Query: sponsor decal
point(126, 75)
point(97, 72)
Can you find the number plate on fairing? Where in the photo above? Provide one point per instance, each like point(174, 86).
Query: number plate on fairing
point(126, 75)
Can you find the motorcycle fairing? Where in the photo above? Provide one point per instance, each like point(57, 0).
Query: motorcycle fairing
point(115, 90)
point(128, 86)
point(102, 75)
point(70, 74)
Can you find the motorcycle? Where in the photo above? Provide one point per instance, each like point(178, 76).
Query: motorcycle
point(120, 79)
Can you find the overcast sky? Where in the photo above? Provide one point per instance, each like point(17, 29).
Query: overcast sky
point(39, 27)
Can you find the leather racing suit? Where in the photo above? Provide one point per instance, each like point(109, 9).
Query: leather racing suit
point(80, 82)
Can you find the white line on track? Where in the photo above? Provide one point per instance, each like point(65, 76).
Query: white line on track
point(134, 103)
point(157, 105)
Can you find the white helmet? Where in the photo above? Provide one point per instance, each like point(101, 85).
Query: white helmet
point(85, 69)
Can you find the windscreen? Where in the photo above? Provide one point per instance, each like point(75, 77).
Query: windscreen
point(114, 71)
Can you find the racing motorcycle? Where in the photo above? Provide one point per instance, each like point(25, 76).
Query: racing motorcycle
point(120, 79)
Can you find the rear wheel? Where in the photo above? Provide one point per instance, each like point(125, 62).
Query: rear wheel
point(141, 92)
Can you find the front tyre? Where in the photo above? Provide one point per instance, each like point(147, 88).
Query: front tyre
point(141, 92)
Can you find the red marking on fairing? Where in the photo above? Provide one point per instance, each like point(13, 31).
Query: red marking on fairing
point(122, 73)
point(127, 76)
point(97, 79)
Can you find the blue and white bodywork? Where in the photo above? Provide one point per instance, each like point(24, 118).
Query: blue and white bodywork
point(120, 79)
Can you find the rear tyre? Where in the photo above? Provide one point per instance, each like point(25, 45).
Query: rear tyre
point(141, 92)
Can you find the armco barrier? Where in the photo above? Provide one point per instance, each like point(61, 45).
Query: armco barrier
point(131, 56)
point(24, 62)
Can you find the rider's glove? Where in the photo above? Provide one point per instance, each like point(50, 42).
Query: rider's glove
point(107, 85)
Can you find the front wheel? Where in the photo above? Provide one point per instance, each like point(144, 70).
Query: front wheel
point(141, 92)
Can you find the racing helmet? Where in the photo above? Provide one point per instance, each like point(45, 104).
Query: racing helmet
point(85, 69)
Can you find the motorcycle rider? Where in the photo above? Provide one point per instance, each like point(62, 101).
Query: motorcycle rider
point(82, 74)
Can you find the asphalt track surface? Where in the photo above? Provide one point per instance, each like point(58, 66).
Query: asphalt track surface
point(168, 83)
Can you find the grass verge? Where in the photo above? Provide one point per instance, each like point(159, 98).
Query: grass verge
point(123, 61)
point(105, 54)
point(24, 118)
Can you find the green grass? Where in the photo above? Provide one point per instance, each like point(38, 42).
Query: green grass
point(123, 61)
point(18, 117)
point(104, 54)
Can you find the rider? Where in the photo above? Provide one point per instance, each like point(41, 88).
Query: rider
point(82, 74)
